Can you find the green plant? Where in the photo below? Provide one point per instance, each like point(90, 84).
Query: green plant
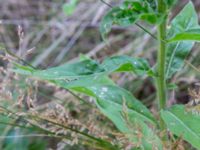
point(68, 8)
point(129, 115)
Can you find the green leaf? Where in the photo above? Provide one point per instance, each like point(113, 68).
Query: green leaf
point(145, 136)
point(117, 103)
point(88, 67)
point(170, 3)
point(125, 63)
point(68, 8)
point(177, 51)
point(183, 124)
point(189, 35)
point(67, 71)
point(10, 130)
point(129, 13)
point(87, 73)
point(152, 18)
point(117, 16)
point(26, 70)
point(171, 86)
point(109, 96)
point(81, 84)
point(128, 114)
point(152, 4)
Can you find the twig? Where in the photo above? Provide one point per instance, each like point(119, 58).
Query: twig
point(109, 5)
point(145, 30)
point(192, 66)
point(71, 43)
point(25, 136)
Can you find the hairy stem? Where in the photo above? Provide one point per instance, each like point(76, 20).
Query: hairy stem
point(161, 54)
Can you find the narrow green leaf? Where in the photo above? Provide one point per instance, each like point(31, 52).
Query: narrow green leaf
point(9, 127)
point(183, 124)
point(189, 35)
point(26, 70)
point(177, 51)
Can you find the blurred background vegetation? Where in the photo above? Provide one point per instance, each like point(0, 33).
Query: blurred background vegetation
point(48, 33)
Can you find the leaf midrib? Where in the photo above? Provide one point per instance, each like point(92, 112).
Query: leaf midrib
point(133, 110)
point(184, 125)
point(171, 59)
point(177, 45)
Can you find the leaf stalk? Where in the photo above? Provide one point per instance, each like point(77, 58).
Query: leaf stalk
point(161, 57)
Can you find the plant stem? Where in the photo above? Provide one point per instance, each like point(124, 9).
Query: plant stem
point(161, 54)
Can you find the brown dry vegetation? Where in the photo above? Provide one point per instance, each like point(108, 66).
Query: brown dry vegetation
point(40, 33)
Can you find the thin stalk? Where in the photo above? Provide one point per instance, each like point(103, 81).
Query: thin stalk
point(99, 143)
point(15, 56)
point(161, 56)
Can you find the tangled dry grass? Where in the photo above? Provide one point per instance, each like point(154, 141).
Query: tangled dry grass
point(39, 33)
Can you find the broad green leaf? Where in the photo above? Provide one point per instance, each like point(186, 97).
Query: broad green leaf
point(152, 4)
point(117, 104)
point(189, 35)
point(126, 113)
point(117, 16)
point(183, 124)
point(88, 67)
point(129, 13)
point(66, 71)
point(113, 101)
point(125, 63)
point(109, 95)
point(151, 18)
point(68, 8)
point(92, 75)
point(81, 84)
point(144, 135)
point(177, 51)
point(109, 98)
